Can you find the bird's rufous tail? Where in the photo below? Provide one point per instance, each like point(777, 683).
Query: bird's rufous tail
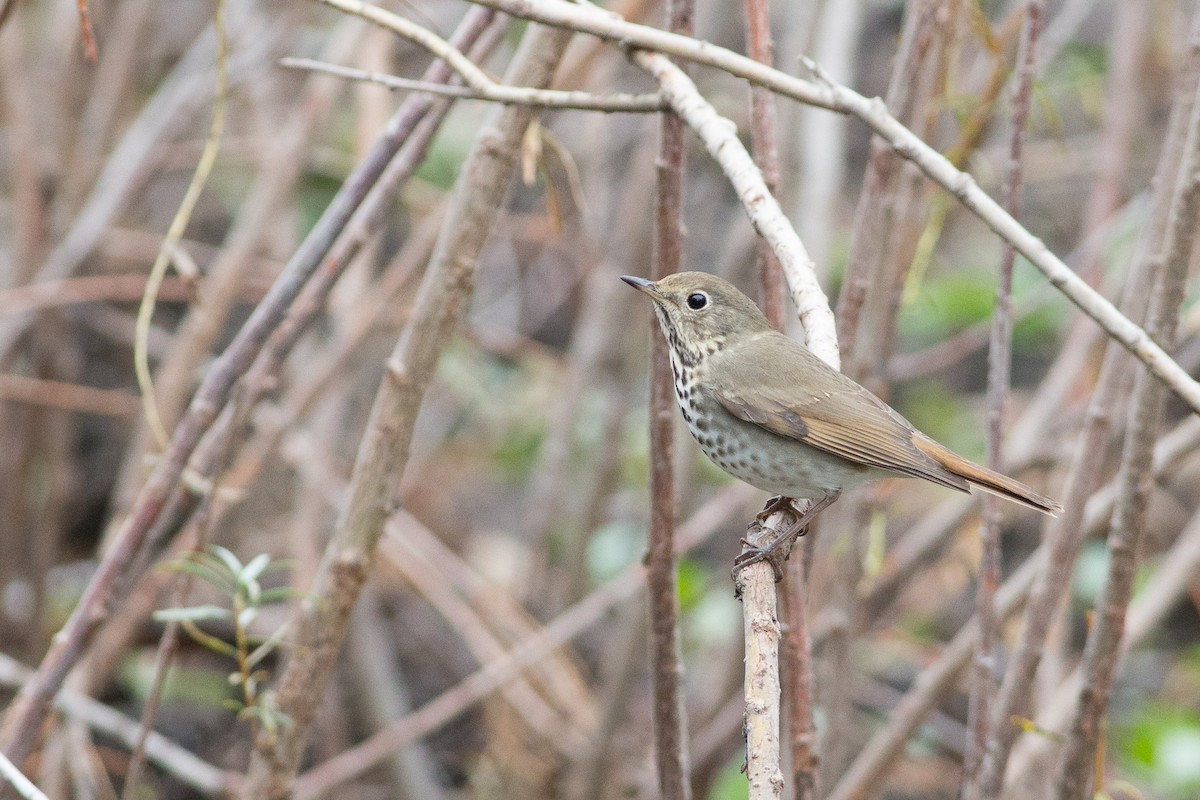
point(986, 479)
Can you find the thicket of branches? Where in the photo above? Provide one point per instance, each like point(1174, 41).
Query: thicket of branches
point(348, 494)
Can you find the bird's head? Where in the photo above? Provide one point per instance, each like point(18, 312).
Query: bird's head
point(700, 313)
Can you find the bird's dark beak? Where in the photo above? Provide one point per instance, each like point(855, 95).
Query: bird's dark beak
point(641, 284)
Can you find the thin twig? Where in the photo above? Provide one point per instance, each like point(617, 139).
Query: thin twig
point(765, 146)
point(1075, 770)
point(280, 171)
point(907, 95)
point(17, 779)
point(169, 642)
point(414, 556)
point(492, 91)
point(596, 606)
point(1175, 573)
point(270, 318)
point(1066, 533)
point(983, 683)
point(929, 685)
point(320, 622)
point(172, 758)
point(401, 147)
point(67, 396)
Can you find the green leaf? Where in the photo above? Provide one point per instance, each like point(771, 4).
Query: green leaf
point(231, 561)
point(204, 572)
point(279, 594)
point(247, 616)
point(254, 569)
point(267, 647)
point(252, 592)
point(204, 613)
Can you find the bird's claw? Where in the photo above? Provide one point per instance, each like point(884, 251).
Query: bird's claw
point(753, 555)
point(778, 550)
point(775, 505)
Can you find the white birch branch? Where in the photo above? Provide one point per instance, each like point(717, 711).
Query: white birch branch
point(721, 140)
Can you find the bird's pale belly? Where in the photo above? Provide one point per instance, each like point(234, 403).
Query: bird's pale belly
point(762, 459)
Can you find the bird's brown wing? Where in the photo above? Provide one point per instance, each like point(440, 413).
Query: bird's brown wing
point(790, 392)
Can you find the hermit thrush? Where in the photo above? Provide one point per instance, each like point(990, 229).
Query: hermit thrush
point(766, 410)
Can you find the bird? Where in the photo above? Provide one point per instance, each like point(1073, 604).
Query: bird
point(769, 412)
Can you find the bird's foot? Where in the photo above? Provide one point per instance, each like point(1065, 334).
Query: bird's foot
point(779, 548)
point(775, 505)
point(774, 553)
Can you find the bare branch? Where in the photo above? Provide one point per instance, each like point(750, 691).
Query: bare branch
point(662, 581)
point(321, 621)
point(167, 755)
point(873, 759)
point(126, 554)
point(494, 92)
point(529, 650)
point(983, 685)
point(720, 139)
point(1066, 534)
point(1073, 778)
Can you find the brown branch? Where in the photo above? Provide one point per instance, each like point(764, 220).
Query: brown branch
point(1075, 770)
point(87, 32)
point(670, 719)
point(412, 551)
point(927, 691)
point(278, 174)
point(67, 396)
point(983, 683)
point(1066, 534)
point(1175, 574)
point(765, 146)
point(873, 222)
point(528, 651)
point(172, 758)
point(933, 681)
point(126, 555)
point(1122, 110)
point(796, 662)
point(802, 739)
point(411, 129)
point(320, 622)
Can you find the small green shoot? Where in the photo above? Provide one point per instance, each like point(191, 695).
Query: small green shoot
point(240, 583)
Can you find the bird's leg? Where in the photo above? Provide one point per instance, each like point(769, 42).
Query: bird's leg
point(780, 547)
point(774, 505)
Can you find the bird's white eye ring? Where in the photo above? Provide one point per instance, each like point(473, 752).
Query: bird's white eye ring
point(697, 301)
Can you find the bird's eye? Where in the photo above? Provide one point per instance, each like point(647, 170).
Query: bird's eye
point(697, 301)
